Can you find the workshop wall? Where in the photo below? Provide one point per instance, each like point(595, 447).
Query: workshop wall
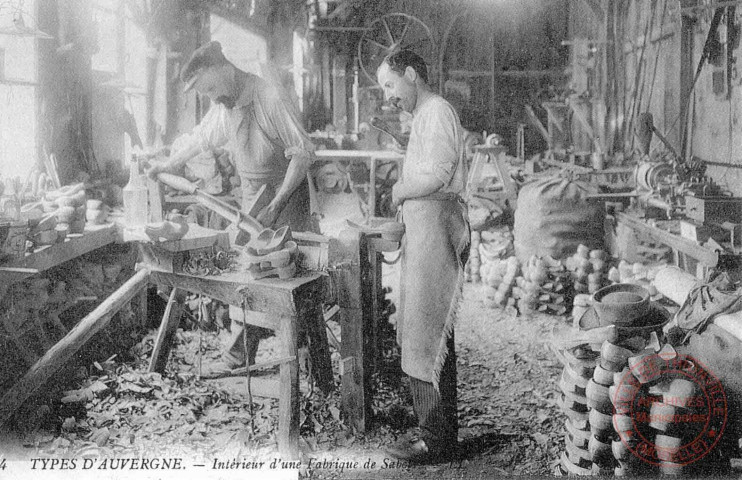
point(715, 122)
point(516, 43)
point(655, 71)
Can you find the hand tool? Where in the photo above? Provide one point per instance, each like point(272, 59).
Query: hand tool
point(242, 220)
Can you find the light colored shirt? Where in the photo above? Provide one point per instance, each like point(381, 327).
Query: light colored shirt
point(436, 145)
point(262, 130)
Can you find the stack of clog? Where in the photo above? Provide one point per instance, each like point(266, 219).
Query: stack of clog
point(271, 253)
point(68, 204)
point(579, 364)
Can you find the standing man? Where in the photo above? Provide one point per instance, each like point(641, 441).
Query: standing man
point(434, 253)
point(269, 147)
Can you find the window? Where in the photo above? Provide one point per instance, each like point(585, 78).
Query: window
point(120, 81)
point(18, 89)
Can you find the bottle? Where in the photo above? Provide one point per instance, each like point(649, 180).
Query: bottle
point(136, 207)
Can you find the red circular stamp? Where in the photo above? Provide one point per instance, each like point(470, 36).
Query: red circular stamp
point(669, 409)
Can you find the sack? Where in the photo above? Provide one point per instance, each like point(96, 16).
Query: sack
point(554, 216)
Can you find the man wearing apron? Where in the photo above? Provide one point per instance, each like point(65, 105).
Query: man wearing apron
point(269, 147)
point(435, 249)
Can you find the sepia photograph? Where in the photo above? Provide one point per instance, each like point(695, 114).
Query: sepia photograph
point(370, 239)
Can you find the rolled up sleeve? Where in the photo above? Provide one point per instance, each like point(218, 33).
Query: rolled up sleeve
point(439, 144)
point(283, 125)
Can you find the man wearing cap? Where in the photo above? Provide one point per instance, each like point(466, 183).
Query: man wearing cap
point(269, 148)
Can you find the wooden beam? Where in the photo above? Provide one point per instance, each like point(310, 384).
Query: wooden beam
point(703, 255)
point(268, 295)
point(60, 353)
point(44, 258)
point(288, 401)
point(169, 325)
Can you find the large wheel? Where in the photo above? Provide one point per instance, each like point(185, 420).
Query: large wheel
point(395, 31)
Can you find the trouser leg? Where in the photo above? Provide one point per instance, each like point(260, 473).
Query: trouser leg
point(234, 354)
point(437, 410)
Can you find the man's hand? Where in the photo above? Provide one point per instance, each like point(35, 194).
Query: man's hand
point(268, 215)
point(398, 194)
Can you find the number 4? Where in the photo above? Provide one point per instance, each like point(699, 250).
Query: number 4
point(2, 464)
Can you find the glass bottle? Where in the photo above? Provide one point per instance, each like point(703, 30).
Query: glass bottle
point(136, 207)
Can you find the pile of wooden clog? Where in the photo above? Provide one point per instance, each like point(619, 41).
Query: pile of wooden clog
point(271, 253)
point(69, 205)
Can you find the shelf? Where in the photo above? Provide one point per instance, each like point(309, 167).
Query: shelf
point(50, 256)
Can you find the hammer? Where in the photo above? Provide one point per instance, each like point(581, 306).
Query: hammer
point(644, 130)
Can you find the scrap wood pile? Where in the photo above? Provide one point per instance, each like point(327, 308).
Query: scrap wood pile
point(117, 408)
point(39, 311)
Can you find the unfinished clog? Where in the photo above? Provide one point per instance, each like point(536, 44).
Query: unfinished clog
point(268, 241)
point(283, 273)
point(173, 229)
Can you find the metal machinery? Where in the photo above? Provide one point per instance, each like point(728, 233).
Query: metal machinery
point(666, 186)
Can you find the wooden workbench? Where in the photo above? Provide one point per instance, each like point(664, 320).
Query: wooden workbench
point(284, 306)
point(50, 256)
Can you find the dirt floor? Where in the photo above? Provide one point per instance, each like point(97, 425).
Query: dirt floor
point(508, 417)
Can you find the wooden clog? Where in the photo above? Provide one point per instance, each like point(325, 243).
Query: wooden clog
point(173, 229)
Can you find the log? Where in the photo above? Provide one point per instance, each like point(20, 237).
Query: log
point(60, 353)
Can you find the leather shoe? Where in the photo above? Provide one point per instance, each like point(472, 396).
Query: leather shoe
point(413, 448)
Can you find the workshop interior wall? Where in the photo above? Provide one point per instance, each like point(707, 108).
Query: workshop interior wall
point(716, 102)
point(715, 121)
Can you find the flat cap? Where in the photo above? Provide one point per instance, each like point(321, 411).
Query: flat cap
point(205, 56)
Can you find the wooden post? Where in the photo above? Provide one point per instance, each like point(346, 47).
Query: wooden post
point(170, 321)
point(60, 353)
point(319, 350)
point(372, 188)
point(349, 251)
point(288, 401)
point(687, 72)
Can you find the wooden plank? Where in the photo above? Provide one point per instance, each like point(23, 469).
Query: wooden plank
point(288, 401)
point(95, 236)
point(707, 257)
point(352, 384)
point(345, 263)
point(60, 353)
point(168, 326)
point(268, 295)
point(349, 154)
point(371, 301)
point(197, 237)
